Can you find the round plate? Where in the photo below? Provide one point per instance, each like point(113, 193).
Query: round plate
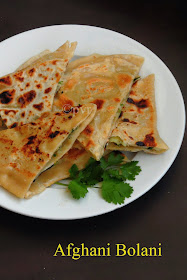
point(57, 203)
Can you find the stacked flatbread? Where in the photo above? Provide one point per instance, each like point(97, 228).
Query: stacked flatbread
point(104, 81)
point(54, 114)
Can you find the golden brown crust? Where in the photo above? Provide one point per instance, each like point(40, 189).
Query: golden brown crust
point(137, 126)
point(98, 79)
point(29, 91)
point(25, 150)
point(77, 155)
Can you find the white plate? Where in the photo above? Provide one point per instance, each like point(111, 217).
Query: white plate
point(57, 203)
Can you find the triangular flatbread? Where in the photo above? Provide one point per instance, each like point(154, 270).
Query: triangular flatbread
point(29, 92)
point(27, 149)
point(76, 155)
point(137, 126)
point(104, 81)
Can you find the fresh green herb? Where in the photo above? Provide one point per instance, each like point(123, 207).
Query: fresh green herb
point(136, 79)
point(60, 83)
point(130, 170)
point(116, 191)
point(150, 148)
point(113, 159)
point(77, 189)
point(111, 171)
point(120, 109)
point(54, 155)
point(74, 171)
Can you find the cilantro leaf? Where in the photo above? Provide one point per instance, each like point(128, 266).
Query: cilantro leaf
point(92, 174)
point(74, 171)
point(130, 170)
point(115, 191)
point(114, 173)
point(77, 189)
point(110, 171)
point(60, 83)
point(113, 159)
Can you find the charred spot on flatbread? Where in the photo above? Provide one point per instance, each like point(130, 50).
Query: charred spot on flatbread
point(39, 106)
point(14, 125)
point(31, 72)
point(54, 134)
point(127, 120)
point(39, 86)
point(6, 81)
point(150, 140)
point(142, 103)
point(31, 139)
point(6, 97)
point(9, 112)
point(26, 98)
point(18, 76)
point(99, 103)
point(140, 143)
point(47, 90)
point(32, 146)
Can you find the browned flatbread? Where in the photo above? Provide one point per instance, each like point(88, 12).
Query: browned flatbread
point(77, 155)
point(104, 81)
point(29, 92)
point(27, 149)
point(137, 126)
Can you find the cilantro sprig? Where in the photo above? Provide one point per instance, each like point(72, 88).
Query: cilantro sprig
point(111, 172)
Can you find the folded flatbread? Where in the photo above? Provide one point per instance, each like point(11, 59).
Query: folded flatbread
point(76, 155)
point(29, 91)
point(104, 81)
point(137, 126)
point(33, 59)
point(27, 149)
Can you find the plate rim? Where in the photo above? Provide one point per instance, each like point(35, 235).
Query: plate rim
point(183, 122)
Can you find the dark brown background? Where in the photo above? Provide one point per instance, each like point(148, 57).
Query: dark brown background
point(27, 245)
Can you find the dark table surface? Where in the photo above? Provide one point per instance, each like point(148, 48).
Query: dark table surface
point(27, 245)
